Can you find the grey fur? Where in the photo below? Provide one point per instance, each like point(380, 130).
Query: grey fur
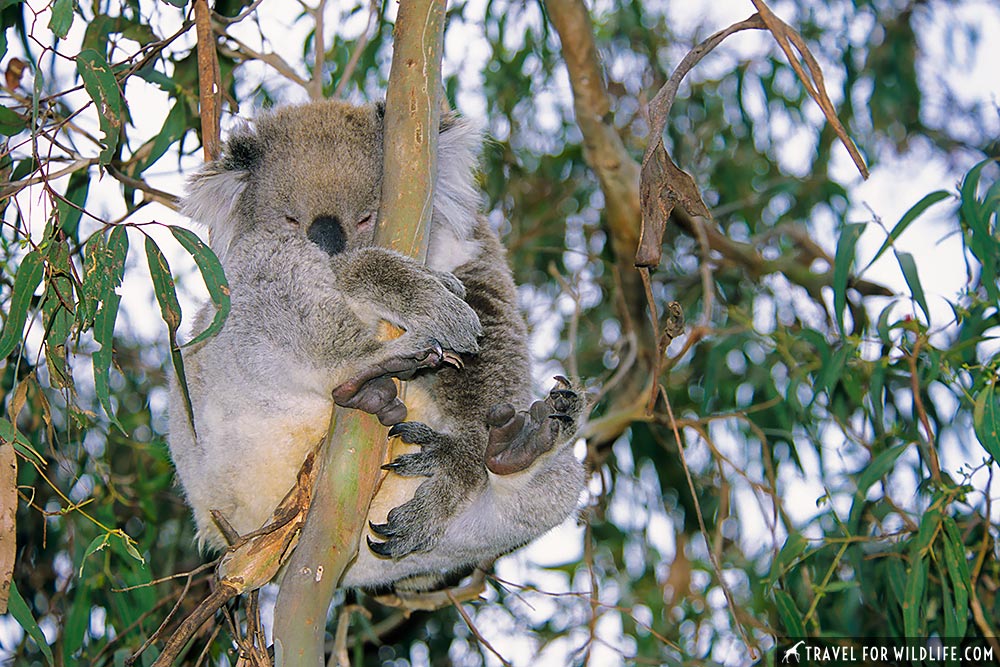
point(303, 329)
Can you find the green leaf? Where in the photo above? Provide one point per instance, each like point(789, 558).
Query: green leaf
point(173, 129)
point(58, 312)
point(70, 205)
point(101, 85)
point(958, 571)
point(795, 544)
point(62, 18)
point(77, 622)
point(11, 122)
point(878, 468)
point(10, 434)
point(915, 212)
point(212, 274)
point(107, 270)
point(842, 263)
point(99, 543)
point(29, 275)
point(18, 608)
point(986, 420)
point(789, 613)
point(170, 310)
point(909, 267)
point(913, 600)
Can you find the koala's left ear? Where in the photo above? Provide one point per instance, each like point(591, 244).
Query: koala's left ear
point(214, 191)
point(456, 197)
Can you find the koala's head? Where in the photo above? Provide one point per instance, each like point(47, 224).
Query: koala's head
point(315, 171)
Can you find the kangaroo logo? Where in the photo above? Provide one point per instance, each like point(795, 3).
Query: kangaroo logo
point(793, 651)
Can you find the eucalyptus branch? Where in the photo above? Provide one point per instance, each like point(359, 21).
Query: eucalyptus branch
point(244, 53)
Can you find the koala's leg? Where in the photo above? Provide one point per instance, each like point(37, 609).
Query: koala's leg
point(452, 478)
point(518, 438)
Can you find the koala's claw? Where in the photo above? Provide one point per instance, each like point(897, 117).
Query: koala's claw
point(417, 524)
point(380, 548)
point(518, 438)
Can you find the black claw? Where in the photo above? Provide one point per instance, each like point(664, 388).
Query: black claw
point(392, 466)
point(561, 417)
point(379, 548)
point(394, 431)
point(380, 529)
point(563, 393)
point(562, 380)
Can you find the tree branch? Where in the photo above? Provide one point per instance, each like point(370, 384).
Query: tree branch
point(356, 444)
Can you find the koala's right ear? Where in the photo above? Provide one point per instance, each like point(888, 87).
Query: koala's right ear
point(215, 189)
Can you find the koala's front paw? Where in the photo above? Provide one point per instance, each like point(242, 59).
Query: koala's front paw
point(451, 283)
point(452, 322)
point(418, 524)
point(518, 438)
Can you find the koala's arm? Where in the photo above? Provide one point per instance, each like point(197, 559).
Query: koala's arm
point(380, 284)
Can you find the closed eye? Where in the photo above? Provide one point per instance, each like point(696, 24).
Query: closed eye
point(365, 219)
point(291, 220)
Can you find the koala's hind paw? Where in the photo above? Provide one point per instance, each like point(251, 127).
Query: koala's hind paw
point(418, 524)
point(373, 391)
point(518, 438)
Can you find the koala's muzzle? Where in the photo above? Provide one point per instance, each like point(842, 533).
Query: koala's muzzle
point(327, 232)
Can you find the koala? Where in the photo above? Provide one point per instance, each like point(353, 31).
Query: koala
point(479, 468)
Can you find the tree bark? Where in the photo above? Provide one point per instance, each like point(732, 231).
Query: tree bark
point(356, 444)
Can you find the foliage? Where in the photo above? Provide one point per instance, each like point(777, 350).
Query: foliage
point(802, 377)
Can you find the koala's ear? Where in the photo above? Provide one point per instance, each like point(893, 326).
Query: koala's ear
point(215, 189)
point(456, 197)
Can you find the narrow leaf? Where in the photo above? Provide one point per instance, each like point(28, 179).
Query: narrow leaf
point(174, 127)
point(909, 267)
point(77, 622)
point(62, 18)
point(958, 571)
point(9, 434)
point(791, 618)
point(878, 468)
point(915, 212)
point(793, 548)
point(170, 310)
point(29, 275)
point(11, 122)
point(109, 268)
point(842, 263)
point(101, 85)
point(97, 544)
point(18, 608)
point(212, 274)
point(916, 581)
point(986, 420)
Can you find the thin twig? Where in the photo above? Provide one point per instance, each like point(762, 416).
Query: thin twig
point(704, 531)
point(474, 630)
point(359, 48)
point(243, 52)
point(319, 48)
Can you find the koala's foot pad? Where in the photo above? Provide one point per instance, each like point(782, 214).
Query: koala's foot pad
point(373, 391)
point(518, 438)
point(417, 524)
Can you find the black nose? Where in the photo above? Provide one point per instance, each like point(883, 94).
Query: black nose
point(327, 232)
